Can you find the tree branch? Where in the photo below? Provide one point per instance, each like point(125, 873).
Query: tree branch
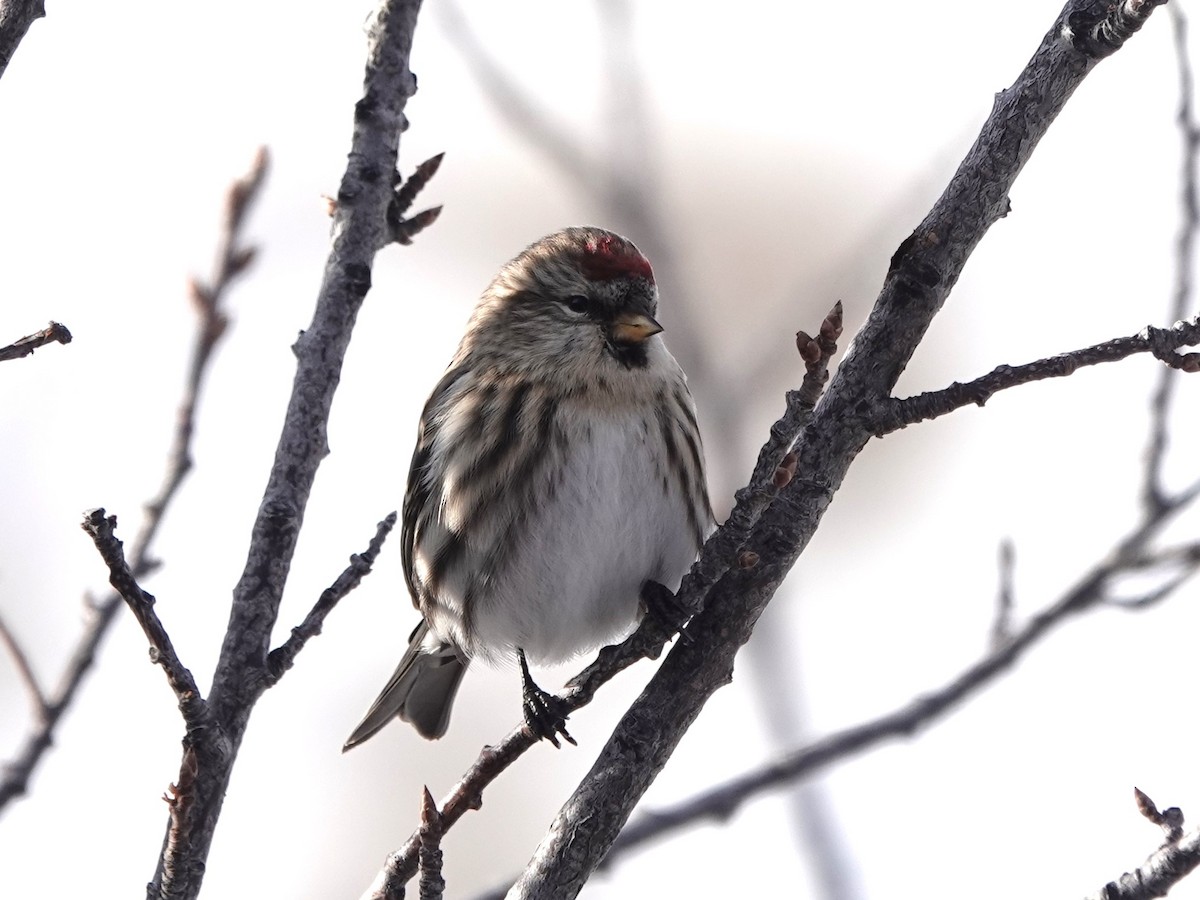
point(283, 657)
point(15, 18)
point(243, 670)
point(892, 414)
point(37, 697)
point(209, 301)
point(101, 530)
point(1185, 251)
point(53, 333)
point(233, 258)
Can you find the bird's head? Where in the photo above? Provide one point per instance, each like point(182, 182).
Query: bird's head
point(579, 298)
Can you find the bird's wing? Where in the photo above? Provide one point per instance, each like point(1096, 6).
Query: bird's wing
point(423, 494)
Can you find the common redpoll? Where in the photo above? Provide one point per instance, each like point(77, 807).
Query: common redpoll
point(558, 479)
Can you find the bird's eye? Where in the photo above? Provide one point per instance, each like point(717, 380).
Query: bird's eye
point(578, 303)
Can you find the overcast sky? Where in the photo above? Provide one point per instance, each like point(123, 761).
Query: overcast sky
point(792, 150)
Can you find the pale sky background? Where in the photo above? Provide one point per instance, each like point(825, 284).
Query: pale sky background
point(797, 145)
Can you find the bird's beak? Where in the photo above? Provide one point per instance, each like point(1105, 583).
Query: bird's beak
point(634, 328)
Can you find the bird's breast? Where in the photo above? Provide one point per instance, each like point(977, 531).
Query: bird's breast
point(559, 567)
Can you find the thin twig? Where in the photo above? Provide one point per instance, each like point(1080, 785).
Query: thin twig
point(465, 796)
point(51, 334)
point(37, 697)
point(209, 301)
point(1185, 252)
point(233, 258)
point(101, 529)
point(893, 414)
point(284, 656)
point(1005, 602)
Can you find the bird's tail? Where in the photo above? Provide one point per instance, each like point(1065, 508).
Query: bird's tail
point(421, 690)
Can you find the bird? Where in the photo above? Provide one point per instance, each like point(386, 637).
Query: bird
point(557, 487)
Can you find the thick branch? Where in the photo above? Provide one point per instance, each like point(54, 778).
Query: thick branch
point(923, 271)
point(51, 334)
point(15, 18)
point(893, 414)
point(243, 671)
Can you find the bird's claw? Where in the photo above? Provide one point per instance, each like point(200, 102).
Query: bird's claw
point(545, 714)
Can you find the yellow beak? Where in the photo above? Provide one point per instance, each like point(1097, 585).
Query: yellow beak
point(634, 328)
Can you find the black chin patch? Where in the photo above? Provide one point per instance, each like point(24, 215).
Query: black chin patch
point(630, 355)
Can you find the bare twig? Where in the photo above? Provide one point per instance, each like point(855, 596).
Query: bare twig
point(893, 414)
point(15, 18)
point(52, 333)
point(209, 301)
point(1002, 623)
point(282, 657)
point(101, 529)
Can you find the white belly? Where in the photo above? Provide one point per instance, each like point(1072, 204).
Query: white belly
point(594, 538)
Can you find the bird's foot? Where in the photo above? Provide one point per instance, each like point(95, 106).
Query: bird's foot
point(664, 608)
point(545, 714)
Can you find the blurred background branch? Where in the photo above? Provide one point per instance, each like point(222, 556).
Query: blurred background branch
point(208, 300)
